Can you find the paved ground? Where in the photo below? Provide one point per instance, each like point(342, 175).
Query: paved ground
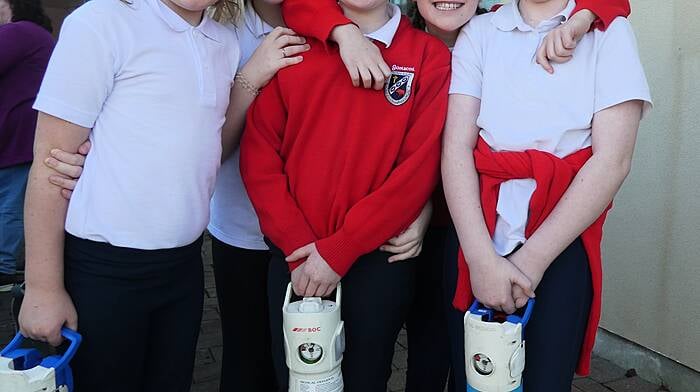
point(605, 376)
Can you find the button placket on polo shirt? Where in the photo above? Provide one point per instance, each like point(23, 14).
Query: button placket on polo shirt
point(207, 81)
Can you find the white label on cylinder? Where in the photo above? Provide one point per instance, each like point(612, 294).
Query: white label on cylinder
point(332, 383)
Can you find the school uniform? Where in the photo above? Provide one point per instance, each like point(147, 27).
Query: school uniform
point(331, 164)
point(154, 90)
point(532, 143)
point(427, 324)
point(241, 257)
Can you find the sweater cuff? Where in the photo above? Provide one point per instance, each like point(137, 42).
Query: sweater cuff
point(339, 251)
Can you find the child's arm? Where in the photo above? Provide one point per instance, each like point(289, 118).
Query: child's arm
point(558, 45)
point(262, 170)
point(620, 90)
point(280, 49)
point(46, 306)
point(492, 276)
point(69, 103)
point(324, 20)
point(369, 223)
point(614, 135)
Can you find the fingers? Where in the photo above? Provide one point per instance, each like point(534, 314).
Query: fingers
point(508, 306)
point(71, 159)
point(542, 58)
point(299, 283)
point(321, 290)
point(413, 252)
point(329, 290)
point(72, 322)
point(519, 297)
point(279, 30)
point(365, 77)
point(299, 254)
point(293, 50)
point(54, 338)
point(561, 53)
point(63, 168)
point(354, 75)
point(66, 194)
point(63, 182)
point(385, 70)
point(85, 147)
point(399, 249)
point(378, 77)
point(568, 41)
point(287, 40)
point(311, 289)
point(521, 280)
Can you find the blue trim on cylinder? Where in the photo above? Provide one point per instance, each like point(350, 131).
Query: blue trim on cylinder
point(471, 389)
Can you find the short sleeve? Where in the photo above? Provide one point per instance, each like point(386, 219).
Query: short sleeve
point(619, 73)
point(467, 61)
point(80, 75)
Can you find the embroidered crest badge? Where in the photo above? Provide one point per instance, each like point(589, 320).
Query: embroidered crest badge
point(398, 89)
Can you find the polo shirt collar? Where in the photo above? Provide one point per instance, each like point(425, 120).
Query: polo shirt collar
point(255, 24)
point(207, 26)
point(508, 18)
point(386, 33)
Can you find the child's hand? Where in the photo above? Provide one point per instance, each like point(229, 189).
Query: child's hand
point(280, 49)
point(314, 277)
point(492, 283)
point(69, 166)
point(43, 313)
point(410, 243)
point(531, 270)
point(361, 57)
point(559, 44)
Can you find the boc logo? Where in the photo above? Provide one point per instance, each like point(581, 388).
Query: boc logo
point(398, 89)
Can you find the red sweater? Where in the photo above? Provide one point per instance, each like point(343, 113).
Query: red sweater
point(347, 168)
point(317, 18)
point(553, 176)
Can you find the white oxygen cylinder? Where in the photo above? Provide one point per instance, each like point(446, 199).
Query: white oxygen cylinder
point(494, 349)
point(314, 342)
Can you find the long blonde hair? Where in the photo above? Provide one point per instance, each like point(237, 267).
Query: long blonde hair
point(227, 11)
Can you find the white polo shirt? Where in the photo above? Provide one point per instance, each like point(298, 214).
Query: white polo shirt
point(233, 219)
point(523, 107)
point(155, 91)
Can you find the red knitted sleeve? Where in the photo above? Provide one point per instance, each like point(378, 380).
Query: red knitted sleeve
point(605, 10)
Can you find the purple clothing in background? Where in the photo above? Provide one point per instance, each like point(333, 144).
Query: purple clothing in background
point(25, 49)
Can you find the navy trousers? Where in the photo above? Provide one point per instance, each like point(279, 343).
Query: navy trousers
point(428, 343)
point(241, 287)
point(139, 312)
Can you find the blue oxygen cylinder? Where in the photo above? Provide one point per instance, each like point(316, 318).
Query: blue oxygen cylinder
point(494, 348)
point(25, 370)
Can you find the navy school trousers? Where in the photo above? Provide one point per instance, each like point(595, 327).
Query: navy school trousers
point(139, 312)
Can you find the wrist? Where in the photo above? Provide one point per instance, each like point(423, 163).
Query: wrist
point(252, 75)
point(48, 288)
point(584, 16)
point(345, 32)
